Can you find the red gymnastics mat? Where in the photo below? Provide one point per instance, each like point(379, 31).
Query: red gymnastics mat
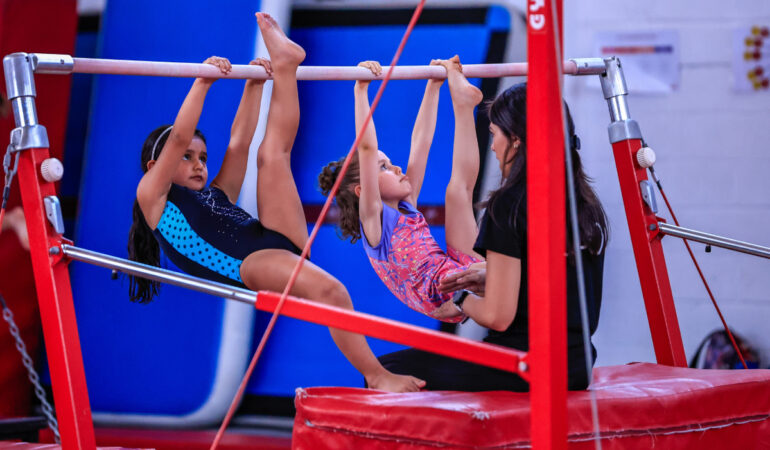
point(641, 406)
point(27, 446)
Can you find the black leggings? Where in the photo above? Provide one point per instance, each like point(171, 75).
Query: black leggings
point(442, 373)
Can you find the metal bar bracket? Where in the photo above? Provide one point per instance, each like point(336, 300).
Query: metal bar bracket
point(648, 195)
point(30, 136)
point(589, 66)
point(53, 213)
point(52, 63)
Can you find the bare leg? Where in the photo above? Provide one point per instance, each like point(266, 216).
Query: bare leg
point(270, 270)
point(278, 202)
point(14, 220)
point(461, 229)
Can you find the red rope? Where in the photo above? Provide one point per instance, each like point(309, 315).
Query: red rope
point(317, 226)
point(703, 278)
point(2, 215)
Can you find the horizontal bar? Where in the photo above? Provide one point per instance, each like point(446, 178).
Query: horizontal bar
point(585, 66)
point(490, 355)
point(718, 241)
point(158, 274)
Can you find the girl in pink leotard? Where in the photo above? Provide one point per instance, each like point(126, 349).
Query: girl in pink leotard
point(378, 202)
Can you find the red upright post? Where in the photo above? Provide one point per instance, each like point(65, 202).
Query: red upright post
point(57, 312)
point(547, 225)
point(650, 261)
point(51, 276)
point(626, 139)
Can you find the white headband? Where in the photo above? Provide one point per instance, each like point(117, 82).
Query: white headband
point(155, 146)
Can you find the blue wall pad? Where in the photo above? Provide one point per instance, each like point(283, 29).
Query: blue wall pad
point(161, 363)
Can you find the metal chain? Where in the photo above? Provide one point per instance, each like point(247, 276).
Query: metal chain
point(34, 378)
point(48, 411)
point(9, 171)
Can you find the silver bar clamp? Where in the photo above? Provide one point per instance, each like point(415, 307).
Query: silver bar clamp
point(615, 91)
point(20, 86)
point(648, 195)
point(51, 63)
point(32, 136)
point(589, 66)
point(53, 213)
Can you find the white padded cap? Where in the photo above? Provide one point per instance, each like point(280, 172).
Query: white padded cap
point(645, 157)
point(51, 169)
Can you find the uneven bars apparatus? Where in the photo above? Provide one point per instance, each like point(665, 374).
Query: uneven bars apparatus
point(45, 63)
point(50, 251)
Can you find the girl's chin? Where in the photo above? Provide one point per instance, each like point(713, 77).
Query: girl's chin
point(195, 185)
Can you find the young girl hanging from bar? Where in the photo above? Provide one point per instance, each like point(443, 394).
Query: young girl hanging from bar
point(378, 201)
point(502, 303)
point(201, 229)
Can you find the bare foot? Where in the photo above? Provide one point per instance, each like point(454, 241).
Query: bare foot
point(463, 92)
point(391, 382)
point(284, 53)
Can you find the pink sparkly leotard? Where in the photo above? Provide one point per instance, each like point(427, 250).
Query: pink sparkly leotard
point(410, 262)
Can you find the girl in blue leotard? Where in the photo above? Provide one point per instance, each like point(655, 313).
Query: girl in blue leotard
point(204, 233)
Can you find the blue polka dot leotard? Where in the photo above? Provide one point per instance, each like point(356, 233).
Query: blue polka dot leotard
point(205, 235)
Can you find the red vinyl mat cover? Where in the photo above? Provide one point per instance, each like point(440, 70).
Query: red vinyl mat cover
point(640, 406)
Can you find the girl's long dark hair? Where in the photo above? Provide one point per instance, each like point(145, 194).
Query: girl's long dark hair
point(142, 245)
point(347, 200)
point(509, 112)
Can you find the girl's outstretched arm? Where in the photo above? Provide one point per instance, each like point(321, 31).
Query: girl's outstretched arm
point(361, 91)
point(230, 176)
point(155, 184)
point(370, 203)
point(422, 135)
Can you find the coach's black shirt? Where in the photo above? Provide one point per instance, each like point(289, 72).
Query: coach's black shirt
point(504, 230)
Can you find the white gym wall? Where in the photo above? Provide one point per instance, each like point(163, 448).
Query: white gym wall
point(713, 148)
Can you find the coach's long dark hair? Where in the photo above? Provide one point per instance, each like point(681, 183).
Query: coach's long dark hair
point(509, 112)
point(142, 245)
